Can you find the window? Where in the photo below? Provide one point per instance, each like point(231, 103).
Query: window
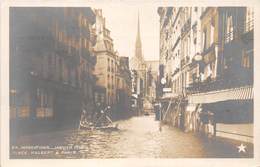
point(70, 44)
point(24, 112)
point(23, 105)
point(60, 36)
point(195, 41)
point(245, 60)
point(79, 20)
point(249, 19)
point(230, 33)
point(212, 30)
point(85, 22)
point(86, 43)
point(188, 46)
point(60, 69)
point(204, 39)
point(45, 104)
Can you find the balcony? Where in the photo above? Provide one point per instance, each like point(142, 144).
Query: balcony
point(93, 36)
point(89, 56)
point(185, 61)
point(244, 32)
point(248, 33)
point(249, 25)
point(85, 32)
point(182, 62)
point(186, 27)
point(72, 28)
point(61, 49)
point(209, 53)
point(217, 84)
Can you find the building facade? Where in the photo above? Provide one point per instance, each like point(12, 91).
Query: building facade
point(51, 66)
point(112, 72)
point(106, 66)
point(152, 78)
point(215, 75)
point(123, 88)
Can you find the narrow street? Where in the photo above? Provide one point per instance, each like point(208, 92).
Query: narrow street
point(138, 137)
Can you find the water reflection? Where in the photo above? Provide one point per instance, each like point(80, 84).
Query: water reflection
point(138, 137)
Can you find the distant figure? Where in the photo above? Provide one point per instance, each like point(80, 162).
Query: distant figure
point(201, 77)
point(157, 111)
point(98, 110)
point(83, 116)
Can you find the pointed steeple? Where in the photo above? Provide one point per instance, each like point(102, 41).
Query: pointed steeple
point(138, 43)
point(138, 37)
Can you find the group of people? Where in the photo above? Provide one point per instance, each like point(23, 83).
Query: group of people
point(99, 116)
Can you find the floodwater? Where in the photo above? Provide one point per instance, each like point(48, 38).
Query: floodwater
point(138, 137)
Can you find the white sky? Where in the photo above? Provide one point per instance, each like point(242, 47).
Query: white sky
point(122, 22)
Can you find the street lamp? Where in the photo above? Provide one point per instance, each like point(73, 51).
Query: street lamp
point(163, 81)
point(198, 57)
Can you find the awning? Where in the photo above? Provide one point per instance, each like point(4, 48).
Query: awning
point(231, 111)
point(169, 95)
point(242, 93)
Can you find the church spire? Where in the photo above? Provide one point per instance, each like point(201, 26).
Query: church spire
point(138, 27)
point(138, 43)
point(138, 37)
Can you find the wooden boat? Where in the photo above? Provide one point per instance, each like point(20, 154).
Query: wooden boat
point(92, 127)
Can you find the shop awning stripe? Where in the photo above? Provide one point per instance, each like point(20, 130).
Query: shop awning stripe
point(242, 93)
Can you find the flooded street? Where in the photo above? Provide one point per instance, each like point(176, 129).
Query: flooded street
point(138, 137)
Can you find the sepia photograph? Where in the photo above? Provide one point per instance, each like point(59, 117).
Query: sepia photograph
point(72, 95)
point(150, 82)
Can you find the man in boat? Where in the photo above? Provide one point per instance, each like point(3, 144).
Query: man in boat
point(98, 111)
point(103, 118)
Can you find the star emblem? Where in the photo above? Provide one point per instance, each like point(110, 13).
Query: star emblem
point(241, 148)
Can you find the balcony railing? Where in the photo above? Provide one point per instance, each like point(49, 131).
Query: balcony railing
point(93, 36)
point(248, 34)
point(217, 84)
point(244, 30)
point(249, 25)
point(186, 27)
point(182, 62)
point(185, 61)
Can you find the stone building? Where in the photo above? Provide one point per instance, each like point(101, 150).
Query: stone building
point(216, 67)
point(106, 66)
point(112, 72)
point(51, 65)
point(123, 88)
point(152, 78)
